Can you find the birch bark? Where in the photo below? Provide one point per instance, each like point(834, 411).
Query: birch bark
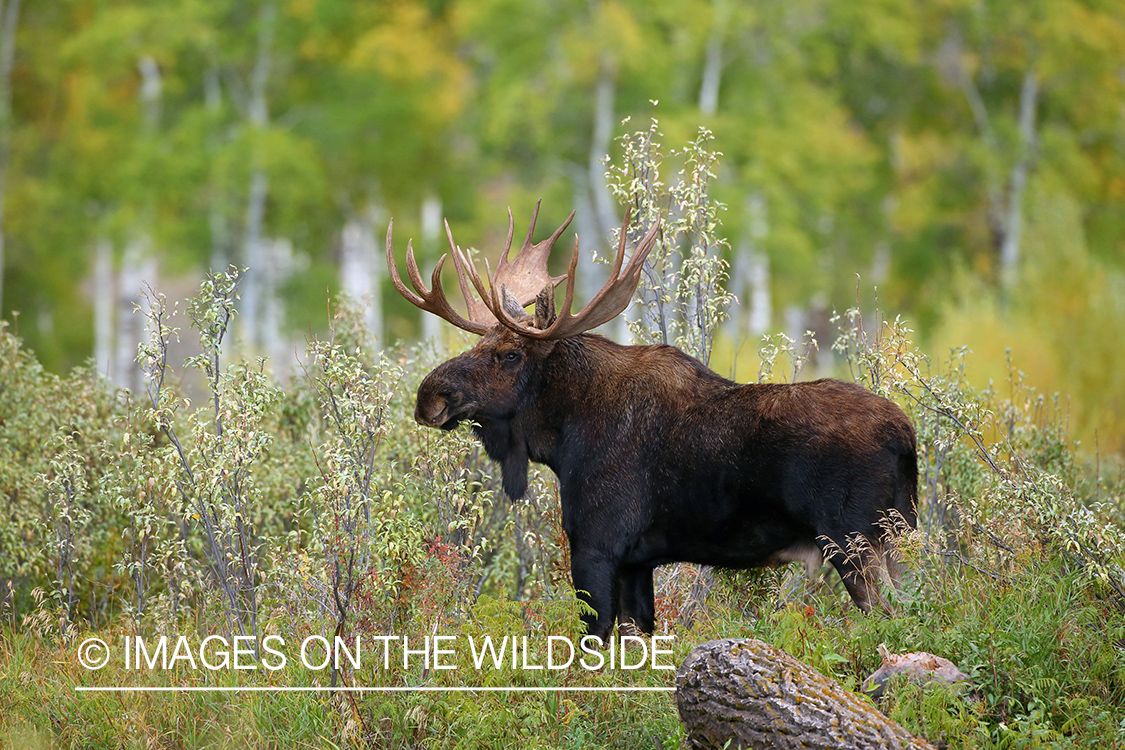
point(253, 250)
point(9, 19)
point(745, 693)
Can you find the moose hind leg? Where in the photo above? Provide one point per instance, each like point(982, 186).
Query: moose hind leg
point(859, 567)
point(636, 600)
point(895, 567)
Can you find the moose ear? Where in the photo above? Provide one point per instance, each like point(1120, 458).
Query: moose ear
point(512, 305)
point(545, 307)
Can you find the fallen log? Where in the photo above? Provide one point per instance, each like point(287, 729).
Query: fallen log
point(752, 695)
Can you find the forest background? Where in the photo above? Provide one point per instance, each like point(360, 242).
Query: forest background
point(964, 157)
point(957, 165)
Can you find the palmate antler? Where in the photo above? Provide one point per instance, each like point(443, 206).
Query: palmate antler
point(521, 280)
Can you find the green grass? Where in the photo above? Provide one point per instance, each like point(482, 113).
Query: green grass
point(1017, 576)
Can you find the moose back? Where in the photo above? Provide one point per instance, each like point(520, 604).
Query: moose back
point(659, 459)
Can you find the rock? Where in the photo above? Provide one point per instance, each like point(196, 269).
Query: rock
point(918, 666)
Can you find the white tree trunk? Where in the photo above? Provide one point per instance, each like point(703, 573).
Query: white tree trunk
point(138, 266)
point(605, 92)
point(760, 318)
point(152, 88)
point(750, 275)
point(279, 262)
point(1005, 207)
point(253, 256)
point(103, 307)
point(592, 241)
point(361, 267)
point(605, 208)
point(138, 270)
point(713, 60)
point(431, 237)
point(253, 252)
point(1010, 247)
point(9, 18)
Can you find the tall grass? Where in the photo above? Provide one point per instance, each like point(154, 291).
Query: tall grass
point(319, 508)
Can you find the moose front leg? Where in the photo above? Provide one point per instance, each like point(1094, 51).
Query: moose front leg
point(593, 573)
point(636, 601)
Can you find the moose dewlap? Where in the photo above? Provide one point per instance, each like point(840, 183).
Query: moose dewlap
point(659, 459)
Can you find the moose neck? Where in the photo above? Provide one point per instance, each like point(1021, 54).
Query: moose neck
point(566, 383)
point(581, 390)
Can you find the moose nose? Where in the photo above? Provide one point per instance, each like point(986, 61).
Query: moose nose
point(431, 412)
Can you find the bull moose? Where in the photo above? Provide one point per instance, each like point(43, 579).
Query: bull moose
point(659, 459)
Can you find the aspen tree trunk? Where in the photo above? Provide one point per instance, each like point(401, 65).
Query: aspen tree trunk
point(138, 268)
point(1017, 182)
point(750, 275)
point(432, 328)
point(253, 250)
point(138, 264)
point(360, 268)
point(9, 18)
point(1005, 205)
point(103, 306)
point(587, 228)
point(751, 695)
point(713, 60)
point(253, 254)
point(605, 93)
point(278, 263)
point(605, 209)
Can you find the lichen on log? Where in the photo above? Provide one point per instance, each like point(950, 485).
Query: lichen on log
point(752, 695)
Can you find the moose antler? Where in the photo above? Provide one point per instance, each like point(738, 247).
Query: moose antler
point(432, 300)
point(521, 280)
point(523, 277)
point(606, 305)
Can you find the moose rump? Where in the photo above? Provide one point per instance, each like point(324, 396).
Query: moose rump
point(659, 459)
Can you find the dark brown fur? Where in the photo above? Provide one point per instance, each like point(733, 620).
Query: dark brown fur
point(659, 459)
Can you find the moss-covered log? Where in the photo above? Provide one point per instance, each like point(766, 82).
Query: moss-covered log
point(756, 696)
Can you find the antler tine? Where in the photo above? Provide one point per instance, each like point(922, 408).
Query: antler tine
point(512, 231)
point(432, 300)
point(607, 304)
point(530, 228)
point(465, 263)
point(526, 274)
point(479, 310)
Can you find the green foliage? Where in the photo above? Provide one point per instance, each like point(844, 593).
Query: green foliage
point(214, 468)
point(681, 291)
point(358, 533)
point(1054, 323)
point(51, 432)
point(1017, 568)
point(318, 507)
point(875, 138)
point(68, 517)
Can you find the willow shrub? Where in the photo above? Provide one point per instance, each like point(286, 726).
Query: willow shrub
point(319, 507)
point(1017, 568)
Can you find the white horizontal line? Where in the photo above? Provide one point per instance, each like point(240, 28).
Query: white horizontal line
point(349, 689)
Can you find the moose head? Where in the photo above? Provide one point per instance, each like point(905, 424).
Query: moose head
point(500, 377)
